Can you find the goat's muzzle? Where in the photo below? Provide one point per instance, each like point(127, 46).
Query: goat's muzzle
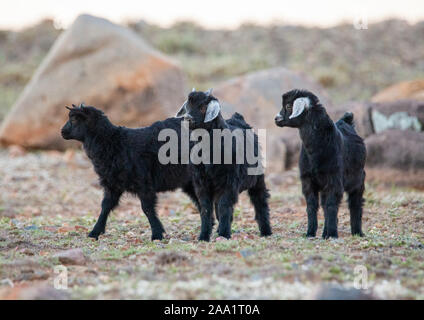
point(279, 120)
point(65, 134)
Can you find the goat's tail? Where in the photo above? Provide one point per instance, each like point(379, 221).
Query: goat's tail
point(348, 118)
point(238, 120)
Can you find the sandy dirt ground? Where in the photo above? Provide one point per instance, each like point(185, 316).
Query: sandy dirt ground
point(50, 200)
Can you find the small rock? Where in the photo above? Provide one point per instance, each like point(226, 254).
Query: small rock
point(30, 275)
point(65, 229)
point(21, 263)
point(81, 228)
point(171, 257)
point(327, 292)
point(71, 257)
point(246, 253)
point(31, 227)
point(312, 259)
point(16, 151)
point(50, 228)
point(38, 292)
point(131, 234)
point(27, 251)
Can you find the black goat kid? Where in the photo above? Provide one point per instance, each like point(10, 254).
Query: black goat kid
point(126, 160)
point(331, 161)
point(217, 181)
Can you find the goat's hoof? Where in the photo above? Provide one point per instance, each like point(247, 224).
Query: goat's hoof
point(95, 234)
point(359, 234)
point(225, 235)
point(311, 235)
point(327, 234)
point(330, 235)
point(204, 238)
point(266, 233)
point(157, 237)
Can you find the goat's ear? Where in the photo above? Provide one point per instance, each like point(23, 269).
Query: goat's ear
point(299, 105)
point(212, 111)
point(182, 111)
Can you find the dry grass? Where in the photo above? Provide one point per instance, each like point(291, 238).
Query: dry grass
point(351, 64)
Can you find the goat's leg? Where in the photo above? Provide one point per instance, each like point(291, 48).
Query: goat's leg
point(216, 211)
point(311, 196)
point(259, 197)
point(225, 211)
point(148, 204)
point(324, 231)
point(331, 207)
point(355, 202)
point(110, 201)
point(206, 216)
point(189, 190)
point(312, 211)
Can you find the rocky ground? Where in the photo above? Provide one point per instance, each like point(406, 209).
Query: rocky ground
point(50, 200)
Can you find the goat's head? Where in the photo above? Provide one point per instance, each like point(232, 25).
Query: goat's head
point(200, 109)
point(82, 120)
point(296, 106)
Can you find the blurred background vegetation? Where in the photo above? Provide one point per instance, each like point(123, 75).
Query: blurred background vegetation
point(351, 64)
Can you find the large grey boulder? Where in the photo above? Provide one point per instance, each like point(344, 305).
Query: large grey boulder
point(101, 64)
point(396, 149)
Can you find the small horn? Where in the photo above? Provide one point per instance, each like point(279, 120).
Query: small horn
point(74, 106)
point(193, 90)
point(208, 93)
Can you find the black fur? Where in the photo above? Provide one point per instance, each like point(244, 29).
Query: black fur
point(332, 161)
point(126, 160)
point(218, 185)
